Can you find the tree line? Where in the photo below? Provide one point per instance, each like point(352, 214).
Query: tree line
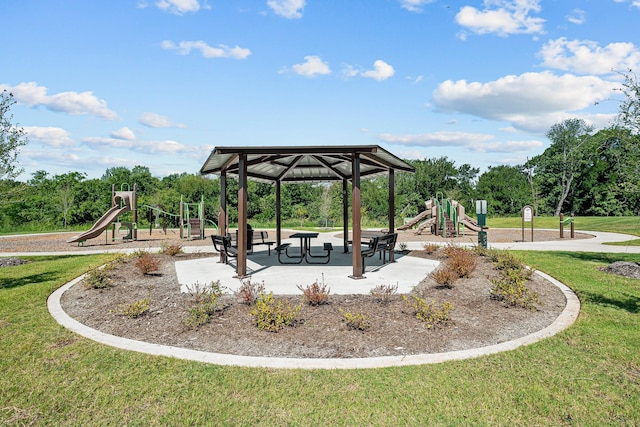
point(582, 172)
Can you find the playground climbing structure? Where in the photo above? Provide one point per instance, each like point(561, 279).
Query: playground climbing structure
point(121, 201)
point(442, 216)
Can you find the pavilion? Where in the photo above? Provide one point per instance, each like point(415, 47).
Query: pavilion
point(300, 164)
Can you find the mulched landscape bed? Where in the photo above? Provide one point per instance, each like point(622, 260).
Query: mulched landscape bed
point(318, 332)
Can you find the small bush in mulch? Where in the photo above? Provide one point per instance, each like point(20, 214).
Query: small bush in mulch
point(461, 260)
point(207, 304)
point(356, 321)
point(316, 294)
point(383, 293)
point(99, 278)
point(249, 292)
point(171, 249)
point(428, 312)
point(11, 262)
point(134, 309)
point(510, 287)
point(272, 315)
point(148, 264)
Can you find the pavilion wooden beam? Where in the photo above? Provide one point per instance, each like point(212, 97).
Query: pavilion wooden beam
point(392, 209)
point(345, 214)
point(278, 214)
point(356, 227)
point(241, 271)
point(222, 216)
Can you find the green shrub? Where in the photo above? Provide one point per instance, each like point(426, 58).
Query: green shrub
point(99, 278)
point(356, 321)
point(505, 260)
point(510, 288)
point(384, 293)
point(315, 294)
point(207, 304)
point(272, 315)
point(428, 312)
point(135, 309)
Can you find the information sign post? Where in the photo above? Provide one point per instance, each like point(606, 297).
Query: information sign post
point(481, 211)
point(527, 216)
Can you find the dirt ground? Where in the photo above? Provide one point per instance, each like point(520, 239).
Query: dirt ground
point(318, 332)
point(57, 242)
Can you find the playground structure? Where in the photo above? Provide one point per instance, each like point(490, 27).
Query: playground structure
point(191, 228)
point(121, 201)
point(442, 216)
point(191, 219)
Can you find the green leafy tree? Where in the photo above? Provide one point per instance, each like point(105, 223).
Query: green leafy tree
point(505, 188)
point(629, 109)
point(558, 167)
point(12, 137)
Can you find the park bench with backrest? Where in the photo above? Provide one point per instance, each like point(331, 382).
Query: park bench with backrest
point(254, 238)
point(223, 245)
point(380, 244)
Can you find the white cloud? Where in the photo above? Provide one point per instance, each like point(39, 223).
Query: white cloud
point(584, 56)
point(531, 101)
point(577, 16)
point(502, 17)
point(221, 51)
point(507, 146)
point(147, 147)
point(179, 7)
point(414, 5)
point(312, 67)
point(124, 133)
point(291, 9)
point(436, 139)
point(75, 103)
point(154, 120)
point(50, 136)
point(381, 71)
point(472, 142)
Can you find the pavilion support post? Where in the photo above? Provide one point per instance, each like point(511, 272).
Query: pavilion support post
point(392, 209)
point(278, 214)
point(356, 227)
point(242, 217)
point(345, 215)
point(222, 216)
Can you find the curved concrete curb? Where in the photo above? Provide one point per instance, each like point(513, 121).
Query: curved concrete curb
point(563, 321)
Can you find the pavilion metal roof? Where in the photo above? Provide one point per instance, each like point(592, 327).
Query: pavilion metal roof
point(298, 164)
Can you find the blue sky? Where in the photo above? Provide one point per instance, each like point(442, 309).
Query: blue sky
point(160, 83)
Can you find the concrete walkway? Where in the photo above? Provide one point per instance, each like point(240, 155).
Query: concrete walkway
point(406, 272)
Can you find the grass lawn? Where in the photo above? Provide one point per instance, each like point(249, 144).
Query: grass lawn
point(587, 375)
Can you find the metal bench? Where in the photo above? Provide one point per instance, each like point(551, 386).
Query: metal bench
point(222, 244)
point(380, 245)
